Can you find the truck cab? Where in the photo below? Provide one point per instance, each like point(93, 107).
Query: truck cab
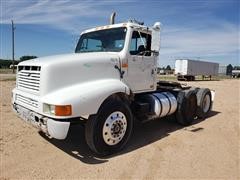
point(131, 42)
point(110, 79)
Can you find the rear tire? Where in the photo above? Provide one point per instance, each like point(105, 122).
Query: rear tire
point(109, 130)
point(187, 107)
point(204, 102)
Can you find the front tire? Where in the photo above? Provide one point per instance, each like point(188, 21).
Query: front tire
point(109, 130)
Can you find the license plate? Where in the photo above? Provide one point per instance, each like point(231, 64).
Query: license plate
point(24, 114)
point(27, 116)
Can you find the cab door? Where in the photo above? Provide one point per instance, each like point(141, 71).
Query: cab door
point(141, 63)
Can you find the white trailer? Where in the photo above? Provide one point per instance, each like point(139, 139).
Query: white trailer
point(109, 79)
point(222, 70)
point(187, 69)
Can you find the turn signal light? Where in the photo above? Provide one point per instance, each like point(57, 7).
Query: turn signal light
point(63, 110)
point(125, 65)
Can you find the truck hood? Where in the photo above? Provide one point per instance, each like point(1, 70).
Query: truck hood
point(63, 58)
point(62, 71)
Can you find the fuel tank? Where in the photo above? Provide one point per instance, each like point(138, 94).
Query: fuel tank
point(161, 104)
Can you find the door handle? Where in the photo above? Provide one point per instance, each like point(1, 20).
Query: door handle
point(152, 71)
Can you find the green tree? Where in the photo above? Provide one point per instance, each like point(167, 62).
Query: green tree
point(24, 58)
point(229, 69)
point(236, 68)
point(168, 67)
point(5, 63)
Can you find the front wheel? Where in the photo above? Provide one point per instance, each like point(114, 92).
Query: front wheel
point(111, 128)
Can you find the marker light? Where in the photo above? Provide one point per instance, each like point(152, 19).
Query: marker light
point(65, 110)
point(57, 110)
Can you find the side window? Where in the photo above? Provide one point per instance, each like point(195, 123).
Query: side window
point(140, 44)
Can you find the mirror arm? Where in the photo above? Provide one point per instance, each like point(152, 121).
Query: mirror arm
point(119, 68)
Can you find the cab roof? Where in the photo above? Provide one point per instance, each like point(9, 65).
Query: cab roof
point(110, 26)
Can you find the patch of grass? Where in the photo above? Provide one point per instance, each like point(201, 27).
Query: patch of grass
point(8, 79)
point(220, 77)
point(197, 78)
point(6, 71)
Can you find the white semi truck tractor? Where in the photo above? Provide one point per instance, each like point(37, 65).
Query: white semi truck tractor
point(108, 83)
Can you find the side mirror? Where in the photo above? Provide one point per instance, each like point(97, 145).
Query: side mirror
point(155, 44)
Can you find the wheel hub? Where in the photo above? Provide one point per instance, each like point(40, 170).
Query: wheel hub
point(114, 128)
point(206, 103)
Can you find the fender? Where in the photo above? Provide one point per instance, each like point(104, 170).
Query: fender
point(85, 98)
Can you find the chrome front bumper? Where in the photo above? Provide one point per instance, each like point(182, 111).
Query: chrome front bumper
point(56, 129)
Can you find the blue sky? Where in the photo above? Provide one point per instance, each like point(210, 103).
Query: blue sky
point(196, 29)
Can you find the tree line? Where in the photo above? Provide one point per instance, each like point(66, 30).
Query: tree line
point(5, 63)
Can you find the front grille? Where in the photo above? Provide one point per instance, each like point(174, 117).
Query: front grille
point(26, 100)
point(29, 78)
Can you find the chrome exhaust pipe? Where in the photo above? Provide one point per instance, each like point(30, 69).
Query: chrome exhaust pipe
point(112, 18)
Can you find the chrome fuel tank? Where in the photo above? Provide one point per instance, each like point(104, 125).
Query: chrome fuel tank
point(161, 104)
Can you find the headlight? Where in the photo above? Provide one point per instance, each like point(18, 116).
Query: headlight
point(57, 110)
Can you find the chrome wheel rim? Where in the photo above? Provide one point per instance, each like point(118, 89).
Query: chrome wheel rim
point(114, 128)
point(206, 103)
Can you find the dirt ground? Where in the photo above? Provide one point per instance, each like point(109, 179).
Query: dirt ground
point(208, 149)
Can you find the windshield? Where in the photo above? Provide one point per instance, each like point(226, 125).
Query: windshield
point(109, 40)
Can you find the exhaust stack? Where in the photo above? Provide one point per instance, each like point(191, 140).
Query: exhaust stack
point(112, 18)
